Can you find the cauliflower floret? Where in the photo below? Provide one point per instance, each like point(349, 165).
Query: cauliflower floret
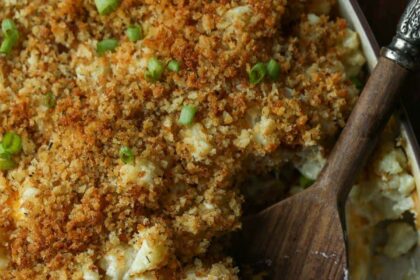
point(313, 19)
point(393, 162)
point(310, 163)
point(89, 274)
point(26, 194)
point(354, 58)
point(87, 269)
point(386, 193)
point(243, 139)
point(142, 173)
point(264, 132)
point(401, 238)
point(148, 250)
point(117, 262)
point(88, 71)
point(198, 141)
point(152, 247)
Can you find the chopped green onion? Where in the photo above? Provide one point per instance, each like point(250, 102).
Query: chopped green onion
point(106, 45)
point(257, 73)
point(7, 164)
point(187, 115)
point(12, 143)
point(273, 69)
point(3, 153)
point(50, 100)
point(126, 155)
point(7, 46)
point(9, 29)
point(134, 33)
point(155, 69)
point(106, 7)
point(174, 66)
point(11, 36)
point(357, 83)
point(305, 182)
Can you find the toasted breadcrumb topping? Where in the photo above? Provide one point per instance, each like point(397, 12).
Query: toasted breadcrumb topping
point(73, 210)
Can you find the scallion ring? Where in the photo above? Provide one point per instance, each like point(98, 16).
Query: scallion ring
point(126, 155)
point(187, 115)
point(134, 33)
point(174, 66)
point(3, 153)
point(12, 143)
point(155, 69)
point(273, 69)
point(9, 28)
point(50, 100)
point(106, 7)
point(107, 45)
point(7, 45)
point(257, 73)
point(11, 36)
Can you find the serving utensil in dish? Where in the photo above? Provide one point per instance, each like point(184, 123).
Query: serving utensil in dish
point(294, 233)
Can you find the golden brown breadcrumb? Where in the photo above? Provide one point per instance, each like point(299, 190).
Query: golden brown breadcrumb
point(86, 203)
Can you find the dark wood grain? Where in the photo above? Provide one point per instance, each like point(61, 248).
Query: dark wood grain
point(362, 131)
point(302, 236)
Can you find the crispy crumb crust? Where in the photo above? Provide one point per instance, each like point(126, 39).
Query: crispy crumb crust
point(71, 151)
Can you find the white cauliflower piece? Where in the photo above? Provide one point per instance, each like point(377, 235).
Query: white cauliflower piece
point(401, 238)
point(152, 247)
point(197, 140)
point(117, 262)
point(142, 173)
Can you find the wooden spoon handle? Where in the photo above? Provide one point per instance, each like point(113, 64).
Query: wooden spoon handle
point(363, 128)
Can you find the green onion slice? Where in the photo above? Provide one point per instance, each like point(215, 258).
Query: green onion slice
point(126, 155)
point(305, 182)
point(257, 73)
point(187, 115)
point(174, 66)
point(106, 46)
point(155, 69)
point(106, 7)
point(134, 33)
point(11, 36)
point(273, 69)
point(9, 29)
point(50, 100)
point(7, 164)
point(3, 153)
point(12, 143)
point(7, 46)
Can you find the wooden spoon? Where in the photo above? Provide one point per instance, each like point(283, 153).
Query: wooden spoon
point(303, 237)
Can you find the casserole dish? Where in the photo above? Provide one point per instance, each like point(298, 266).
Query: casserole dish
point(121, 151)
